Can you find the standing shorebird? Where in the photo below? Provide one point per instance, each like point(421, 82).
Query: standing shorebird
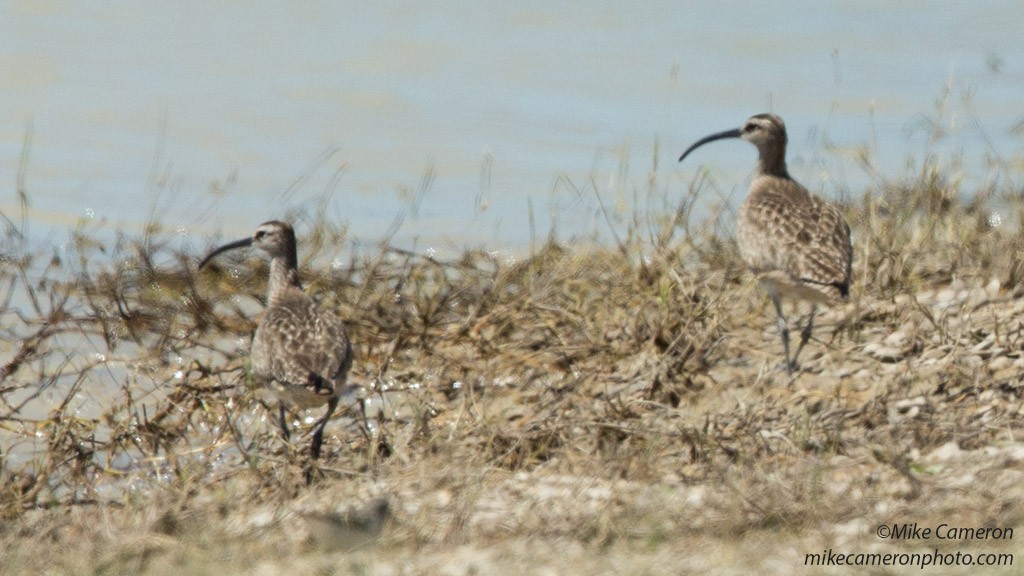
point(300, 351)
point(797, 244)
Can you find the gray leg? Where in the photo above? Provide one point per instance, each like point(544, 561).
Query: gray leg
point(805, 334)
point(783, 332)
point(318, 439)
point(284, 421)
point(318, 434)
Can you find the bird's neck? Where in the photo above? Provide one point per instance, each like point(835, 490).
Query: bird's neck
point(284, 274)
point(772, 163)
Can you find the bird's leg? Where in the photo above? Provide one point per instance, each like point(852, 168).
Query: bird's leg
point(318, 433)
point(318, 438)
point(284, 421)
point(805, 334)
point(783, 332)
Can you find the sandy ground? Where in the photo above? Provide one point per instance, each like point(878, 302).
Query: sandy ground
point(896, 446)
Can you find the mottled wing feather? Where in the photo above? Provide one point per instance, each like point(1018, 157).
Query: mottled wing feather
point(784, 228)
point(298, 344)
point(830, 259)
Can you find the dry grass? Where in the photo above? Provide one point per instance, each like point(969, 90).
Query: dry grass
point(584, 410)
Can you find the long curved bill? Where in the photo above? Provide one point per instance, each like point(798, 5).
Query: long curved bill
point(734, 133)
point(225, 248)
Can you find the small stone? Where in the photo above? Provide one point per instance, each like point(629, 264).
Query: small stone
point(992, 289)
point(944, 453)
point(884, 353)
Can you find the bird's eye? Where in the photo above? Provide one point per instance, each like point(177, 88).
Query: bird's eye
point(750, 128)
point(260, 234)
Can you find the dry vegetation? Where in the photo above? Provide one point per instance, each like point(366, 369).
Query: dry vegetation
point(582, 410)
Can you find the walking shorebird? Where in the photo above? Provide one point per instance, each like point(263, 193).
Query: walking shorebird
point(797, 244)
point(300, 351)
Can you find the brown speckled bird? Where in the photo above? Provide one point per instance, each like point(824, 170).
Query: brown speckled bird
point(797, 244)
point(301, 351)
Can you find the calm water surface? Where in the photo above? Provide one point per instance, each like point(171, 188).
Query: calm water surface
point(459, 118)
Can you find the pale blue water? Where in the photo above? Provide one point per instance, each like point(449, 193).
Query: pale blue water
point(212, 112)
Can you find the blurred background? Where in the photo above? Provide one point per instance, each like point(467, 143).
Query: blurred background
point(442, 126)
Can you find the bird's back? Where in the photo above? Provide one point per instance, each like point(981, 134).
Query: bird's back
point(301, 351)
point(794, 241)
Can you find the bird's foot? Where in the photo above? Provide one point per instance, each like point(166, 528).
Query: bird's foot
point(311, 472)
point(789, 366)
